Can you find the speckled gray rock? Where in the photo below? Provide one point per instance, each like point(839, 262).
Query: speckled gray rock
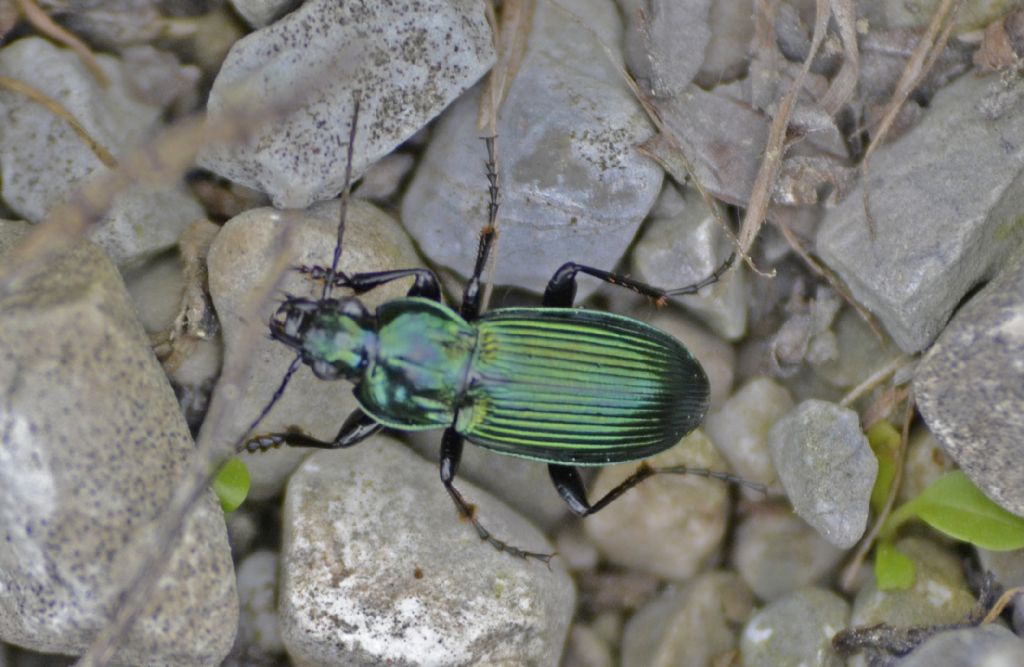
point(796, 630)
point(988, 645)
point(777, 553)
point(93, 447)
point(740, 429)
point(665, 42)
point(939, 594)
point(43, 161)
point(573, 187)
point(827, 467)
point(682, 244)
point(376, 568)
point(970, 388)
point(409, 59)
point(945, 199)
point(670, 525)
point(259, 636)
point(252, 244)
point(688, 627)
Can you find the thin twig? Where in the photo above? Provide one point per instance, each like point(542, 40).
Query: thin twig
point(926, 52)
point(774, 151)
point(58, 109)
point(874, 380)
point(832, 280)
point(1001, 603)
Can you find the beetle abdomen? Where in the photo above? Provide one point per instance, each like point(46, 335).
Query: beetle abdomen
point(576, 386)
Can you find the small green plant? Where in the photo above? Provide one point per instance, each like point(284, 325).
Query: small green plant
point(952, 505)
point(232, 484)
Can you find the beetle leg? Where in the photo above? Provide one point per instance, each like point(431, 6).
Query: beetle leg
point(569, 484)
point(473, 294)
point(451, 454)
point(426, 284)
point(358, 427)
point(561, 289)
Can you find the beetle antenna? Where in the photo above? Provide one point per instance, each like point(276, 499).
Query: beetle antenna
point(243, 440)
point(346, 192)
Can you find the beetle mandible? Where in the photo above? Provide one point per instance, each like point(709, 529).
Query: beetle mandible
point(561, 385)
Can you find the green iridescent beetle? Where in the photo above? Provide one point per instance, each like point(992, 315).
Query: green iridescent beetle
point(564, 386)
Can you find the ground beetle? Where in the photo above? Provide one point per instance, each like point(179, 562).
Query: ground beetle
point(557, 384)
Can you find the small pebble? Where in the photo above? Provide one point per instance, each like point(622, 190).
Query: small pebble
point(796, 630)
point(827, 467)
point(777, 553)
point(988, 645)
point(691, 626)
point(939, 595)
point(669, 525)
point(740, 429)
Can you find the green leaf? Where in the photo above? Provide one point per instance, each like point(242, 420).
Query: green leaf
point(893, 570)
point(232, 484)
point(954, 506)
point(885, 443)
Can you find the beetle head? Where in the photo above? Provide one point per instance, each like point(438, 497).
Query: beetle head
point(333, 336)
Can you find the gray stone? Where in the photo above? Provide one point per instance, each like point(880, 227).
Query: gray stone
point(409, 59)
point(827, 467)
point(260, 13)
point(259, 634)
point(688, 627)
point(988, 645)
point(858, 352)
point(669, 525)
point(93, 448)
point(665, 42)
point(945, 199)
point(726, 57)
point(573, 187)
point(681, 245)
point(970, 388)
point(796, 630)
point(249, 246)
point(43, 161)
point(586, 648)
point(376, 568)
point(740, 429)
point(939, 595)
point(110, 23)
point(777, 553)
